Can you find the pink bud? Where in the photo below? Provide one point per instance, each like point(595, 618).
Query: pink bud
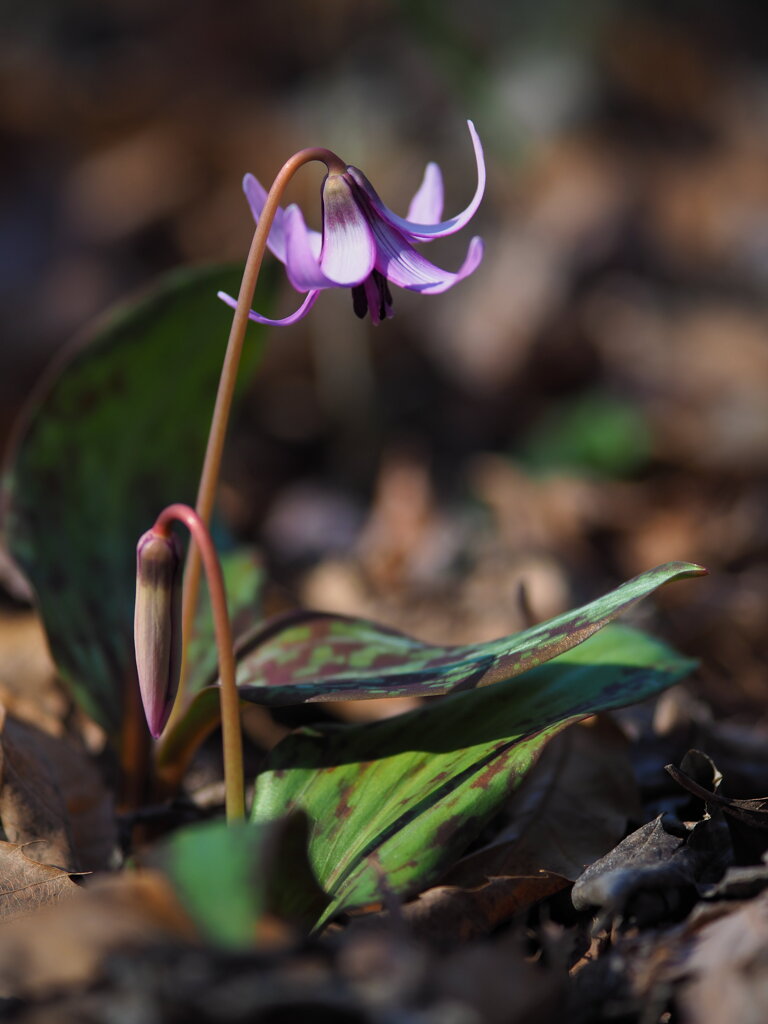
point(157, 625)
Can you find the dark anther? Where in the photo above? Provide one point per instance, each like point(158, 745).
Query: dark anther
point(385, 294)
point(359, 301)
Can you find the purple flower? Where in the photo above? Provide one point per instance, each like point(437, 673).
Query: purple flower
point(363, 245)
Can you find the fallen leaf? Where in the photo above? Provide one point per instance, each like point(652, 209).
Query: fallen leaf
point(67, 944)
point(449, 913)
point(655, 873)
point(498, 984)
point(32, 806)
point(752, 812)
point(26, 885)
point(53, 796)
point(726, 968)
point(740, 883)
point(406, 539)
point(29, 687)
point(747, 819)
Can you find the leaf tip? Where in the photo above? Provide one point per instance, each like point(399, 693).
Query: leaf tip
point(684, 570)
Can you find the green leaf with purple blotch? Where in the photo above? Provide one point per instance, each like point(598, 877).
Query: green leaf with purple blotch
point(310, 656)
point(392, 804)
point(114, 433)
point(315, 656)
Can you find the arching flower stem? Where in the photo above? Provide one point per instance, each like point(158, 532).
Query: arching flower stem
point(209, 476)
point(232, 739)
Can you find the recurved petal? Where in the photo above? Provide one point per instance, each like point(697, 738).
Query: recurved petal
point(302, 263)
point(425, 232)
point(401, 264)
point(427, 205)
point(348, 252)
point(301, 312)
point(256, 195)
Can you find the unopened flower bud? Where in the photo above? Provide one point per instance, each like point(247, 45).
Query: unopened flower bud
point(157, 625)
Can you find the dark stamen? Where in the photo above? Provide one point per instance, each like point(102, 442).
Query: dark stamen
point(359, 301)
point(381, 285)
point(385, 296)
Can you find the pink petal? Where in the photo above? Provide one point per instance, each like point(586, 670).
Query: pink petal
point(399, 262)
point(256, 195)
point(427, 205)
point(348, 252)
point(302, 256)
point(301, 312)
point(425, 232)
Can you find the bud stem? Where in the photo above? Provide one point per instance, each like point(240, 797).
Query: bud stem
point(232, 739)
point(212, 463)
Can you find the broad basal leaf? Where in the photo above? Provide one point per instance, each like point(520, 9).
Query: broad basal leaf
point(310, 656)
point(573, 807)
point(114, 434)
point(314, 656)
point(393, 803)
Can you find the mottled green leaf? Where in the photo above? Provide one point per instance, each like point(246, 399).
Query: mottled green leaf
point(392, 803)
point(310, 656)
point(116, 431)
point(229, 876)
point(244, 582)
point(315, 656)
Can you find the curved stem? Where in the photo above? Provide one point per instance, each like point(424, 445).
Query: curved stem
point(209, 476)
point(232, 738)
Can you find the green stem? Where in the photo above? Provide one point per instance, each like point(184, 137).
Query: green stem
point(232, 738)
point(209, 476)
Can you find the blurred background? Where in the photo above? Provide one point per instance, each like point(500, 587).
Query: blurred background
point(590, 403)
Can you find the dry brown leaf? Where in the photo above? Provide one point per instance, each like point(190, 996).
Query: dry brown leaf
point(448, 913)
point(536, 514)
point(403, 539)
point(32, 807)
point(66, 944)
point(727, 968)
point(26, 885)
point(495, 983)
point(52, 795)
point(28, 685)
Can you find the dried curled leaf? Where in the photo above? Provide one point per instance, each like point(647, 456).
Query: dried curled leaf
point(26, 885)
